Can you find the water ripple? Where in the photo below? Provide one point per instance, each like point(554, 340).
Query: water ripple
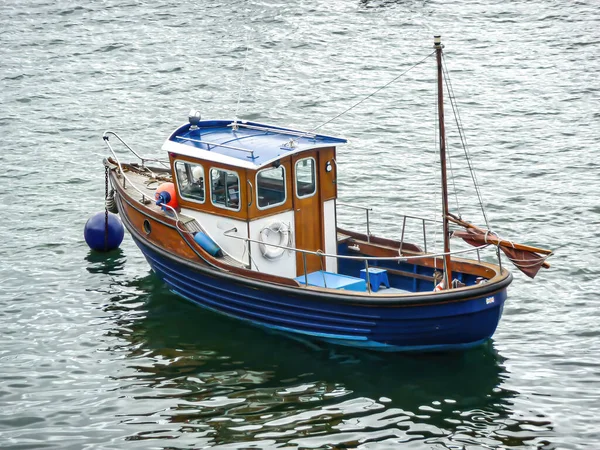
point(97, 353)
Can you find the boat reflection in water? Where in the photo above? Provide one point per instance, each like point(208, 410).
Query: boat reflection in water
point(206, 380)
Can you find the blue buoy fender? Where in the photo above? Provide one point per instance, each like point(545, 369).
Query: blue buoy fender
point(207, 244)
point(96, 235)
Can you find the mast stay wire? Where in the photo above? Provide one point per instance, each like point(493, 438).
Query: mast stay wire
point(363, 100)
point(453, 177)
point(463, 139)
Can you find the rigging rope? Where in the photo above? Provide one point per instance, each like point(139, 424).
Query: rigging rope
point(463, 139)
point(452, 177)
point(363, 100)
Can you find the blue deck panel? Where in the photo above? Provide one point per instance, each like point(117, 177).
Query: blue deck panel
point(330, 280)
point(266, 145)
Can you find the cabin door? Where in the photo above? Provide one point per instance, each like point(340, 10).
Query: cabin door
point(308, 216)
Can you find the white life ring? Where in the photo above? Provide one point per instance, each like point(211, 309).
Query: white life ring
point(268, 251)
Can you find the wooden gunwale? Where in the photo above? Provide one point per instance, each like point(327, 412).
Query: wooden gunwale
point(208, 259)
point(252, 279)
point(406, 246)
point(311, 293)
point(389, 248)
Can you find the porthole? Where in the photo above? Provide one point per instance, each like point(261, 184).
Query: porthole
point(147, 227)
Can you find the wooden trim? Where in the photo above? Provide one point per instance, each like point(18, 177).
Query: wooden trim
point(462, 265)
point(308, 219)
point(162, 234)
point(404, 273)
point(168, 224)
point(207, 206)
point(327, 180)
point(406, 246)
point(288, 286)
point(253, 211)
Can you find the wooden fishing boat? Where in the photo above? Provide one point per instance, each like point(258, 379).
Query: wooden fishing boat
point(242, 220)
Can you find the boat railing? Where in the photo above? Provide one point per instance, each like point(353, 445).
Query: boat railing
point(126, 179)
point(322, 255)
point(405, 218)
point(216, 144)
point(235, 125)
point(366, 210)
point(424, 221)
point(143, 159)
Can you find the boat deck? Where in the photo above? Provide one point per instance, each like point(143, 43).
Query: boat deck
point(403, 278)
point(149, 180)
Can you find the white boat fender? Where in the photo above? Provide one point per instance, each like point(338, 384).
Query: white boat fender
point(269, 251)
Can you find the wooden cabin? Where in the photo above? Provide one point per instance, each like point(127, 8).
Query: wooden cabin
point(269, 184)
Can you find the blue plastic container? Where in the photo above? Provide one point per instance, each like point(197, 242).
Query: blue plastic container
point(207, 244)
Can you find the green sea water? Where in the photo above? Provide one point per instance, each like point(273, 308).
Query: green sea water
point(96, 353)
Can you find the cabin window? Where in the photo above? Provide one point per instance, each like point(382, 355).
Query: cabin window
point(225, 189)
point(190, 179)
point(306, 180)
point(270, 187)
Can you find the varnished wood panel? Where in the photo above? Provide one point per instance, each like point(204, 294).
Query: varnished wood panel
point(207, 206)
point(327, 180)
point(253, 211)
point(406, 246)
point(308, 218)
point(160, 235)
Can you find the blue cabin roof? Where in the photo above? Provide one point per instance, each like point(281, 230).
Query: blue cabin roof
point(241, 143)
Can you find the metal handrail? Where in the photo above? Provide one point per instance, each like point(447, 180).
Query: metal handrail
point(366, 211)
point(126, 179)
point(404, 217)
point(140, 157)
point(423, 220)
point(273, 130)
point(356, 258)
point(215, 144)
point(318, 253)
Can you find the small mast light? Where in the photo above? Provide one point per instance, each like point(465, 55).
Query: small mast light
point(194, 118)
point(437, 42)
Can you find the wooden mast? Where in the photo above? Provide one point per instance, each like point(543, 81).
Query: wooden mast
point(447, 261)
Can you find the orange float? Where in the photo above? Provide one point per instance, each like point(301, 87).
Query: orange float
point(165, 195)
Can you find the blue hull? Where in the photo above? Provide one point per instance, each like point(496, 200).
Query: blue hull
point(385, 325)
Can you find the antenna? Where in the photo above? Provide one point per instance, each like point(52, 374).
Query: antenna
point(235, 125)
